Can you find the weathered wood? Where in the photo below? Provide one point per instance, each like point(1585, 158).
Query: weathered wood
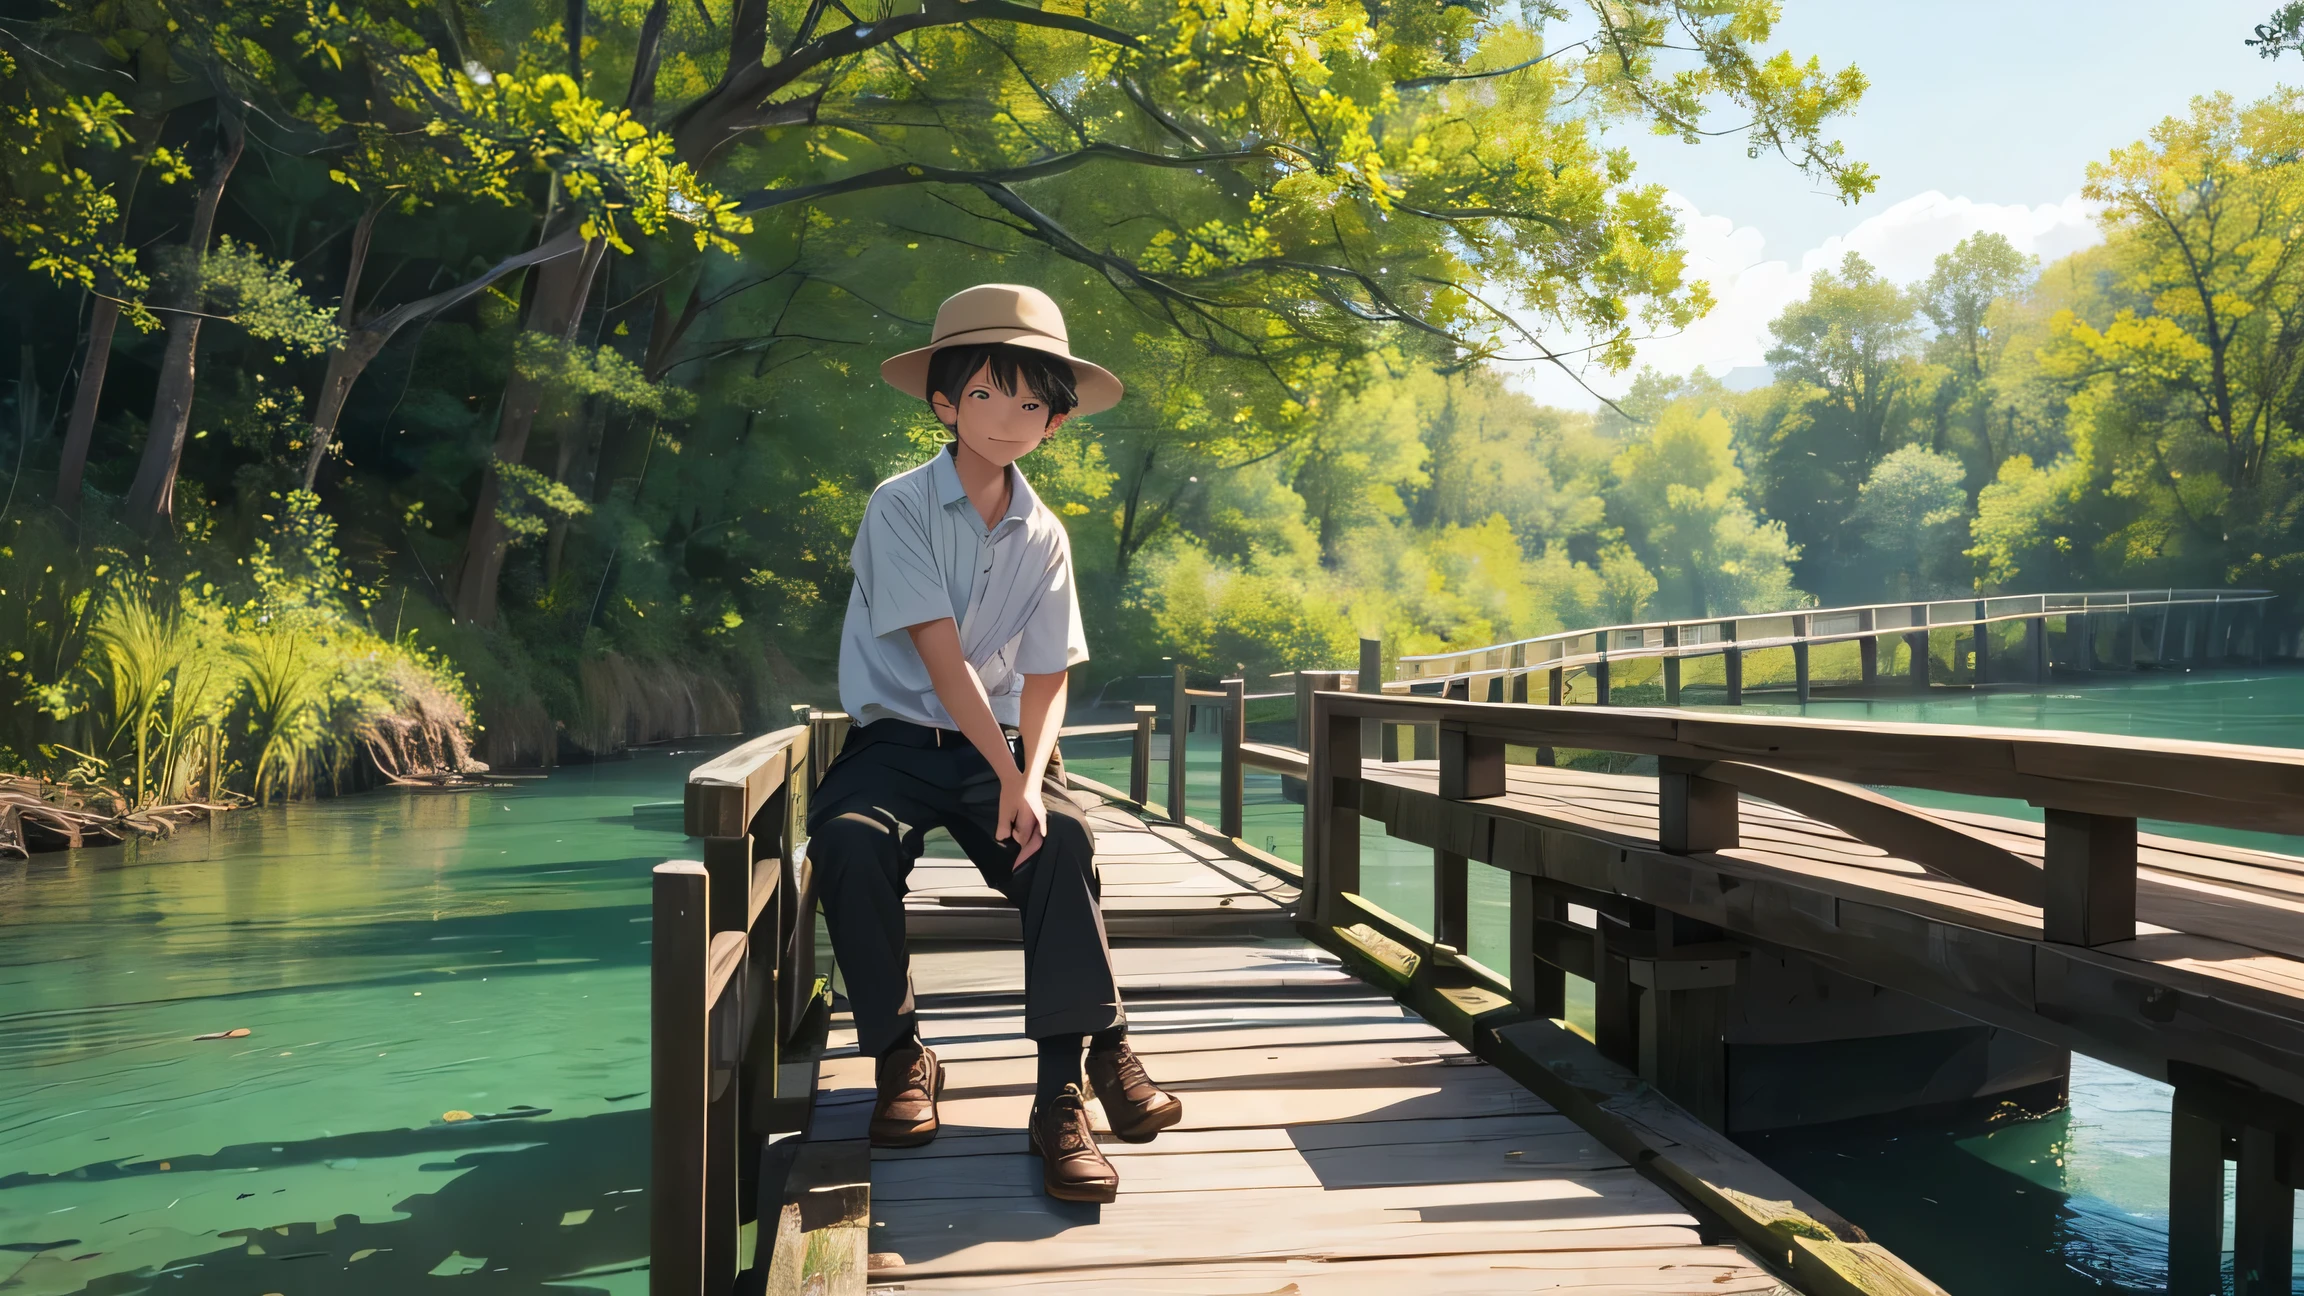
point(2264, 1214)
point(679, 1077)
point(1332, 806)
point(1539, 986)
point(1229, 790)
point(1179, 730)
point(2195, 1203)
point(1140, 755)
point(1699, 813)
point(2090, 865)
point(724, 793)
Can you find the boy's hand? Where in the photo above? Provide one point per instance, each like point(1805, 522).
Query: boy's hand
point(1023, 816)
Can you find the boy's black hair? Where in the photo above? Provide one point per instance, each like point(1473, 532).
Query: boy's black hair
point(1048, 377)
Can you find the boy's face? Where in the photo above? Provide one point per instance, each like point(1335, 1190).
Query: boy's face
point(998, 426)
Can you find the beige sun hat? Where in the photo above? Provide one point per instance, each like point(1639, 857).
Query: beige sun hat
point(1010, 313)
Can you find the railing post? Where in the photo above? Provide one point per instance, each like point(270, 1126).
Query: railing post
point(1538, 988)
point(1179, 729)
point(2090, 866)
point(1916, 647)
point(1471, 767)
point(1332, 810)
point(1732, 664)
point(1868, 648)
point(1599, 671)
point(1229, 795)
point(1671, 666)
point(1980, 635)
point(2036, 647)
point(1694, 813)
point(1555, 687)
point(679, 1076)
point(1800, 658)
point(1371, 680)
point(1140, 754)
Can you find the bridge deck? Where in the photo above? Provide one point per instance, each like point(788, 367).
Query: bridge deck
point(1334, 1142)
point(2253, 899)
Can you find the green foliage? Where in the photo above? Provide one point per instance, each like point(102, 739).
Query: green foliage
point(1913, 512)
point(262, 296)
point(532, 501)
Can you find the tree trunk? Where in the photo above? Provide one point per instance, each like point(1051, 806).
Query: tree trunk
point(73, 465)
point(352, 353)
point(561, 288)
point(151, 501)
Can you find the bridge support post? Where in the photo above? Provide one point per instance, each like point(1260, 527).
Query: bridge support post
point(1868, 648)
point(2215, 1119)
point(1371, 680)
point(1140, 754)
point(1600, 689)
point(2090, 866)
point(1179, 731)
point(1229, 794)
point(1671, 667)
point(1538, 988)
point(1615, 1000)
point(1684, 1008)
point(2036, 647)
point(2079, 641)
point(1916, 650)
point(1800, 658)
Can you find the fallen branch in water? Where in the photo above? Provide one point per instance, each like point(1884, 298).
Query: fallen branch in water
point(54, 816)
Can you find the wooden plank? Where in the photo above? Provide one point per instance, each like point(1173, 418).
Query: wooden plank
point(1663, 1271)
point(725, 792)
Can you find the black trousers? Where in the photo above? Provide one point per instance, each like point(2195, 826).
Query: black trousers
point(892, 783)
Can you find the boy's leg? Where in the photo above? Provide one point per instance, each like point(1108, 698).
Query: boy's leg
point(865, 834)
point(1069, 989)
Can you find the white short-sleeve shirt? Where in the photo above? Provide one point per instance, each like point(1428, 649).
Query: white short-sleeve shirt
point(922, 554)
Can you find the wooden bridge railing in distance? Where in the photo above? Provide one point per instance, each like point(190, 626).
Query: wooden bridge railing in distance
point(2210, 625)
point(732, 975)
point(2234, 1050)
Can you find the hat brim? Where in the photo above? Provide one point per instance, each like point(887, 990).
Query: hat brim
point(1098, 390)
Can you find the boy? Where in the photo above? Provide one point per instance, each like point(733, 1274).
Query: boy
point(959, 632)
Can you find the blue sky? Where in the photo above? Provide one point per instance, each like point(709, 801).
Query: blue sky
point(1980, 116)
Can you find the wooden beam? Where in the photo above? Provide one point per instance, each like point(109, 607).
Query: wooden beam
point(1140, 754)
point(1371, 680)
point(1332, 811)
point(1539, 988)
point(679, 1076)
point(1179, 727)
point(1800, 658)
point(725, 792)
point(1671, 667)
point(2263, 1215)
point(1695, 813)
point(2195, 1203)
point(1229, 789)
point(2090, 862)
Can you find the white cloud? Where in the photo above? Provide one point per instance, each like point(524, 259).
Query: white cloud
point(1749, 290)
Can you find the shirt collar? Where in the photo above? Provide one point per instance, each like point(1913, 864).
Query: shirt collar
point(1022, 503)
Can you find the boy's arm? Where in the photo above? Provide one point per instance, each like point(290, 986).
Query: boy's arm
point(1021, 814)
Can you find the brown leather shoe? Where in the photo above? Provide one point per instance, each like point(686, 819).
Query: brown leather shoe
point(1134, 1107)
point(909, 1079)
point(1072, 1167)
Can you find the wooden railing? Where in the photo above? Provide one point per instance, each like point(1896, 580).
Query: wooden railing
point(732, 978)
point(2235, 1054)
point(2230, 623)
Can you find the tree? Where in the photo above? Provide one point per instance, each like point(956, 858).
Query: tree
point(1913, 512)
point(2188, 402)
point(1678, 495)
point(1958, 297)
point(1272, 185)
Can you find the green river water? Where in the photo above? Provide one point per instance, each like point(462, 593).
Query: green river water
point(445, 1075)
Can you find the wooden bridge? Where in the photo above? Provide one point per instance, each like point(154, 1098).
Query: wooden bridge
point(1369, 1107)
